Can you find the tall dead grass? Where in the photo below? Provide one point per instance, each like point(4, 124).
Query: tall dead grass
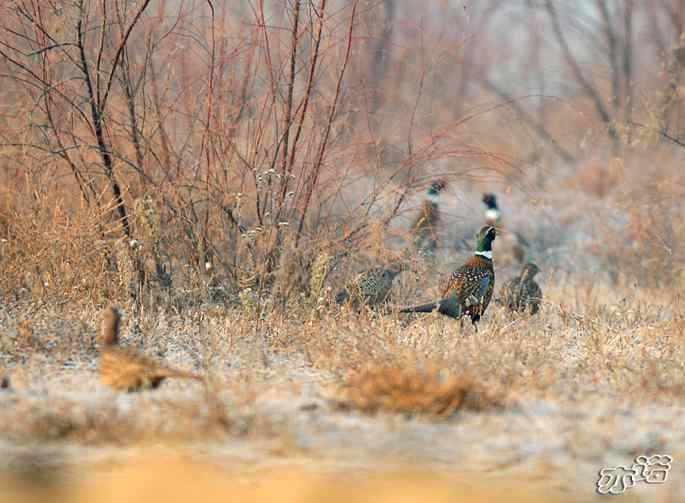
point(240, 170)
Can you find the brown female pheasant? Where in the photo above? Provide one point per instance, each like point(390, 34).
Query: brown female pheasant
point(371, 287)
point(523, 293)
point(468, 290)
point(125, 369)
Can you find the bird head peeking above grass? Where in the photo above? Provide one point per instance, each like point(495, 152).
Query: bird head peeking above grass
point(492, 211)
point(484, 240)
point(436, 188)
point(529, 271)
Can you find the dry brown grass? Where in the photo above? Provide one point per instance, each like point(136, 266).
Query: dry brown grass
point(575, 386)
point(287, 180)
point(588, 341)
point(415, 390)
point(277, 146)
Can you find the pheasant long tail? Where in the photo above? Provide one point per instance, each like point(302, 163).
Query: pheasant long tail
point(342, 297)
point(448, 307)
point(424, 308)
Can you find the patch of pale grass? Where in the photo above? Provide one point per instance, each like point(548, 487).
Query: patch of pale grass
point(110, 420)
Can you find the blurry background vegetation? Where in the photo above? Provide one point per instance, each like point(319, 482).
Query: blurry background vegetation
point(149, 148)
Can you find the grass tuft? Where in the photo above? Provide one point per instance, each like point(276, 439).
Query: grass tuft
point(416, 391)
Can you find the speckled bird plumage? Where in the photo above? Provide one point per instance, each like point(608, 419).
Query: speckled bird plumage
point(124, 368)
point(522, 293)
point(471, 286)
point(468, 290)
point(371, 287)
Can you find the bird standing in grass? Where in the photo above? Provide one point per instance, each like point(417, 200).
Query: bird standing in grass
point(517, 244)
point(125, 369)
point(468, 290)
point(425, 226)
point(523, 293)
point(371, 287)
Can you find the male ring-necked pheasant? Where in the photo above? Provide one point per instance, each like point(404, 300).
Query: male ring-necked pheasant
point(468, 290)
point(523, 293)
point(124, 368)
point(371, 287)
point(515, 243)
point(425, 225)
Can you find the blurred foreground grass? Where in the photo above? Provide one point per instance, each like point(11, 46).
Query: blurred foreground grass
point(157, 480)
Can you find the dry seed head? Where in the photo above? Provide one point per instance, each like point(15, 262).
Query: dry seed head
point(151, 223)
point(247, 280)
point(289, 275)
point(320, 269)
point(247, 300)
point(125, 266)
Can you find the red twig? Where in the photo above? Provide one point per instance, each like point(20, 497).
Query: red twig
point(331, 117)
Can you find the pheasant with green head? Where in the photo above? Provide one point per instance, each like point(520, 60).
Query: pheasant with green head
point(514, 242)
point(468, 290)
